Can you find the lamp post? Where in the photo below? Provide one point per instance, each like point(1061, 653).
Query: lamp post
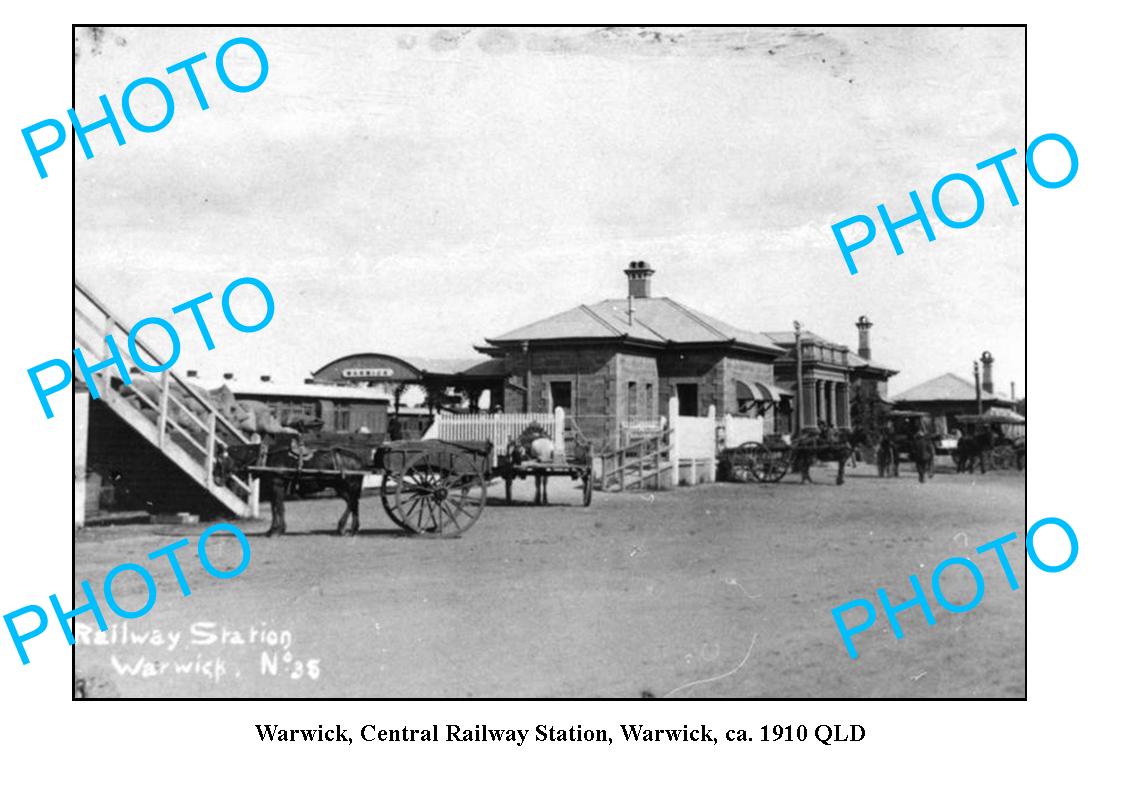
point(798, 378)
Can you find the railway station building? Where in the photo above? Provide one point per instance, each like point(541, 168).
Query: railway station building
point(619, 361)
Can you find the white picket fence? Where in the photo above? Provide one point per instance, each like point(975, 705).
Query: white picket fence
point(497, 429)
point(694, 441)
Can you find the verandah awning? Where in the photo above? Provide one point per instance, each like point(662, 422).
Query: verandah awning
point(760, 391)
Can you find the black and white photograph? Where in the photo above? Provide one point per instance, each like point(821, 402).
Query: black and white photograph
point(600, 362)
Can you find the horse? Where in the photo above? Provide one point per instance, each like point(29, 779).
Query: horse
point(534, 443)
point(285, 450)
point(971, 448)
point(922, 450)
point(824, 446)
point(887, 457)
point(860, 438)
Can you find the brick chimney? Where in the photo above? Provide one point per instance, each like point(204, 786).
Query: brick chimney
point(639, 279)
point(864, 325)
point(988, 371)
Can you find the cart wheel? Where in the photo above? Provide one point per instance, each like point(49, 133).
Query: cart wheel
point(388, 494)
point(441, 493)
point(767, 465)
point(740, 464)
point(587, 488)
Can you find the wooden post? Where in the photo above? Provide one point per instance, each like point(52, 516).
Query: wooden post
point(212, 431)
point(711, 467)
point(81, 442)
point(162, 416)
point(559, 433)
point(672, 438)
point(642, 454)
point(107, 382)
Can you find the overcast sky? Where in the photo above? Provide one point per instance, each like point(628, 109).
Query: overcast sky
point(412, 191)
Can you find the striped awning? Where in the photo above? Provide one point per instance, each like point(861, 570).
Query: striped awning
point(759, 391)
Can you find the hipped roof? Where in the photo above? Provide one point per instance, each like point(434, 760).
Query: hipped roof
point(654, 320)
point(948, 387)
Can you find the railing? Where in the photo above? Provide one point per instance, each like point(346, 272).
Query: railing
point(183, 415)
point(647, 458)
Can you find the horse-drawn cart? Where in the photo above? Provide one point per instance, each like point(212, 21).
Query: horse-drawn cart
point(769, 461)
point(428, 486)
point(985, 441)
point(534, 455)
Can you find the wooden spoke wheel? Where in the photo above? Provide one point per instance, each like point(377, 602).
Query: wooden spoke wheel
point(587, 488)
point(441, 494)
point(1003, 458)
point(388, 494)
point(740, 464)
point(766, 464)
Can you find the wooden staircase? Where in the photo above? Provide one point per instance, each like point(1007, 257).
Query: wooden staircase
point(175, 419)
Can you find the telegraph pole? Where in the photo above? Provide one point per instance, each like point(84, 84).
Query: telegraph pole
point(978, 391)
point(798, 379)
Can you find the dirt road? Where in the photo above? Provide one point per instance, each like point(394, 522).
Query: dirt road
point(713, 591)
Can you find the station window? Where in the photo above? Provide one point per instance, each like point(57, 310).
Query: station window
point(561, 395)
point(342, 419)
point(687, 399)
point(633, 399)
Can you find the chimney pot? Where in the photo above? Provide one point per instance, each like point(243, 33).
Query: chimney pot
point(639, 279)
point(988, 371)
point(864, 325)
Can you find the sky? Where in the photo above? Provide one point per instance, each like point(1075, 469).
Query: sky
point(414, 191)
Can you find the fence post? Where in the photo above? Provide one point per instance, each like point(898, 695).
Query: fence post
point(711, 463)
point(559, 433)
point(162, 417)
point(672, 438)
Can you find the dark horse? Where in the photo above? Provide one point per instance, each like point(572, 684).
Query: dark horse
point(887, 456)
point(286, 451)
point(812, 445)
point(922, 450)
point(973, 448)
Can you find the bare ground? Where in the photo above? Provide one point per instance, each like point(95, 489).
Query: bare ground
point(713, 591)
